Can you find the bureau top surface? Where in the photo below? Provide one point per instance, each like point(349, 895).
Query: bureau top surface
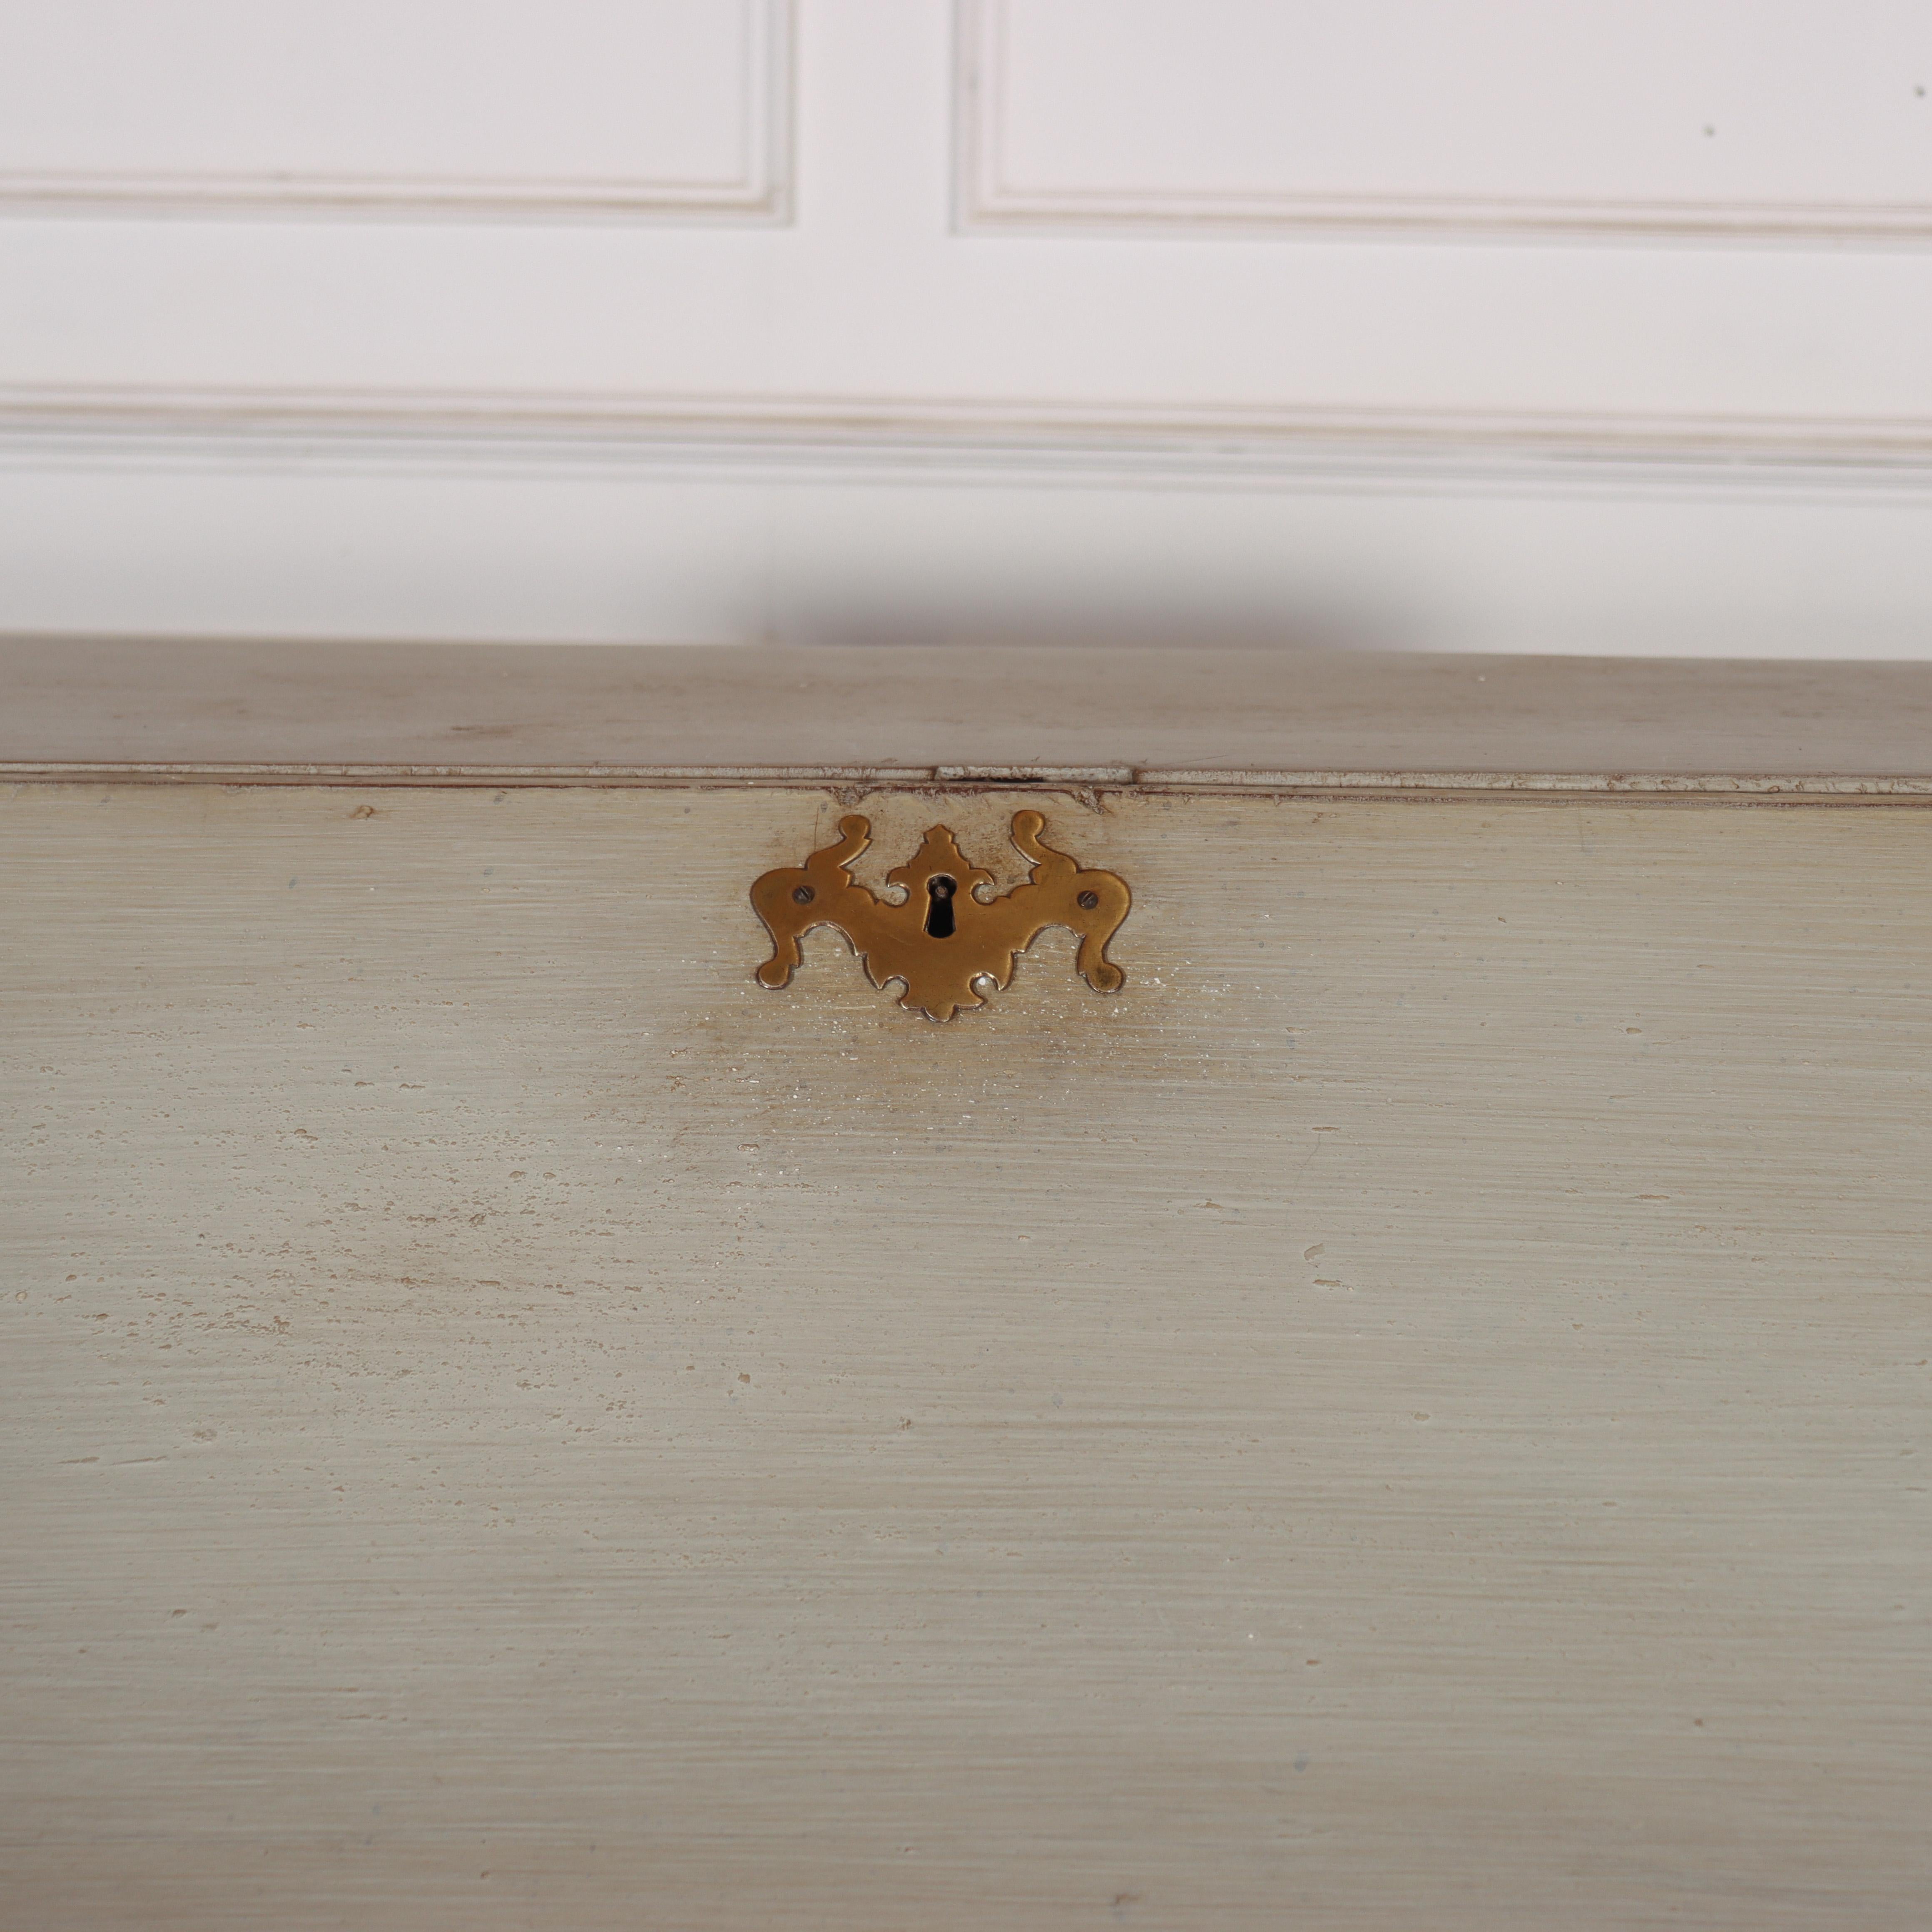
point(84, 707)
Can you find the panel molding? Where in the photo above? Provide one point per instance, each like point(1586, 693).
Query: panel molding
point(1095, 442)
point(985, 200)
point(761, 195)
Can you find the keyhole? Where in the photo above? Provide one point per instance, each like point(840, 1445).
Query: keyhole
point(939, 906)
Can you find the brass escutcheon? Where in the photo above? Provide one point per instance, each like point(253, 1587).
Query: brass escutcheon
point(943, 937)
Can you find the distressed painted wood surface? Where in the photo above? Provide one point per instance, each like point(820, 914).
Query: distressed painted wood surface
point(1412, 1414)
point(1349, 718)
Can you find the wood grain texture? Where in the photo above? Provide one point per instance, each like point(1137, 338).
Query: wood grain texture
point(1412, 1414)
point(1335, 719)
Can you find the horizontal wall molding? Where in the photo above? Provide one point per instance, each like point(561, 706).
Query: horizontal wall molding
point(1412, 218)
point(1093, 443)
point(762, 200)
point(759, 193)
point(987, 196)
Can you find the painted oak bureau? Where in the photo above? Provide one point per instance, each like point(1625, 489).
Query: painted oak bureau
point(1369, 1369)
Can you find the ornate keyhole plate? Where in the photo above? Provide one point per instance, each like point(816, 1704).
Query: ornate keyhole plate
point(950, 934)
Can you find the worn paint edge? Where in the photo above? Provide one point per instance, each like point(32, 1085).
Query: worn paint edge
point(1740, 787)
point(1729, 783)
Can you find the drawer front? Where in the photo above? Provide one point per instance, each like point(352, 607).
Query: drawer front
point(1412, 1412)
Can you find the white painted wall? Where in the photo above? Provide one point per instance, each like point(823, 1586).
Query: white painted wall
point(1412, 323)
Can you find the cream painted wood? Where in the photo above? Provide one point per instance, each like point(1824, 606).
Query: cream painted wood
point(1412, 1414)
point(1310, 720)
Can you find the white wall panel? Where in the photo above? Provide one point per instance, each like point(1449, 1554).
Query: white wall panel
point(549, 426)
point(564, 108)
point(1714, 118)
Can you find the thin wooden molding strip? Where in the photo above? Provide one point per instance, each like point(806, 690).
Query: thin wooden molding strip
point(87, 710)
point(1741, 787)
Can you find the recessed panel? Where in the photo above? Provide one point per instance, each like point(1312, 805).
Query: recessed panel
point(1707, 116)
point(610, 106)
